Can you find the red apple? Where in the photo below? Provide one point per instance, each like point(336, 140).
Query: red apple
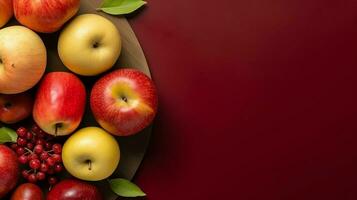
point(59, 103)
point(6, 11)
point(45, 16)
point(9, 170)
point(15, 107)
point(74, 190)
point(124, 101)
point(28, 191)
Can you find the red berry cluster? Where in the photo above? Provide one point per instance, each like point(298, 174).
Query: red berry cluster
point(35, 150)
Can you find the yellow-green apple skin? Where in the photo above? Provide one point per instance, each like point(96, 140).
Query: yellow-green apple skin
point(6, 11)
point(91, 154)
point(89, 45)
point(22, 59)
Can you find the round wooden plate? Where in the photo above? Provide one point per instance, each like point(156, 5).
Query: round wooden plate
point(132, 148)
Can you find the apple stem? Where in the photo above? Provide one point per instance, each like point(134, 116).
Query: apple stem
point(89, 165)
point(56, 130)
point(57, 126)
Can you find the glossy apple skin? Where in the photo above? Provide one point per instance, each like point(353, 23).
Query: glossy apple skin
point(95, 145)
point(9, 170)
point(72, 189)
point(124, 101)
point(15, 107)
point(28, 191)
point(45, 16)
point(23, 59)
point(60, 100)
point(6, 11)
point(95, 41)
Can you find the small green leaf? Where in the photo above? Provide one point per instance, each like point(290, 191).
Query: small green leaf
point(7, 135)
point(125, 188)
point(120, 7)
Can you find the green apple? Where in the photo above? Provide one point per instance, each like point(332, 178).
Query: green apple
point(89, 45)
point(91, 154)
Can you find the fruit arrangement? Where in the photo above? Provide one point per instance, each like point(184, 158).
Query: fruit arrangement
point(47, 148)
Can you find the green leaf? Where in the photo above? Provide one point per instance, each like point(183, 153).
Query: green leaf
point(7, 135)
point(125, 188)
point(120, 7)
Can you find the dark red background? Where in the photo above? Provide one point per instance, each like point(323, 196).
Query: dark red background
point(258, 99)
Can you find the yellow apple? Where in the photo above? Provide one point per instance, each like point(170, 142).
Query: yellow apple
point(89, 45)
point(91, 154)
point(22, 59)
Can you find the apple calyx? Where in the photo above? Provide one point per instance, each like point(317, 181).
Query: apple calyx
point(96, 45)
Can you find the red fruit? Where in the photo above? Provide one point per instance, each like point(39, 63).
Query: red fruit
point(50, 170)
point(44, 167)
point(124, 101)
point(40, 176)
point(30, 145)
point(13, 146)
point(60, 103)
point(28, 191)
point(40, 141)
point(58, 168)
point(38, 149)
point(52, 180)
point(57, 157)
point(23, 159)
point(21, 132)
point(74, 189)
point(33, 140)
point(25, 174)
point(57, 148)
point(35, 129)
point(50, 161)
point(29, 135)
point(32, 178)
point(44, 155)
point(9, 170)
point(45, 16)
point(6, 11)
point(35, 164)
point(20, 151)
point(21, 141)
point(41, 134)
point(15, 107)
point(33, 156)
point(48, 145)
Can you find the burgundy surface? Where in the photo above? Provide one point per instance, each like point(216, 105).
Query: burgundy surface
point(258, 99)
